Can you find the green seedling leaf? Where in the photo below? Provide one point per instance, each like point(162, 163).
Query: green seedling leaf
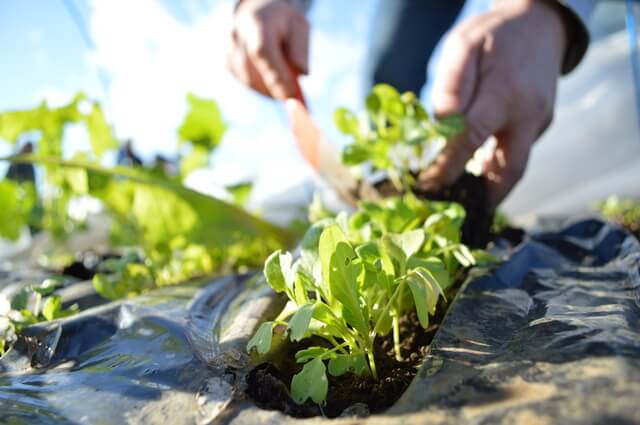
point(303, 285)
point(368, 252)
point(409, 242)
point(395, 252)
point(435, 266)
point(425, 291)
point(105, 287)
point(310, 353)
point(261, 340)
point(333, 322)
point(355, 155)
point(277, 271)
point(343, 363)
point(299, 323)
point(331, 236)
point(344, 279)
point(20, 300)
point(49, 285)
point(311, 383)
point(464, 256)
point(52, 307)
point(346, 122)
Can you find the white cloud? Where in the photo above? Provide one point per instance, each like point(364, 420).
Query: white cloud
point(152, 62)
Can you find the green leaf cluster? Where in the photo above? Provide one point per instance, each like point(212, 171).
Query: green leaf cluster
point(394, 133)
point(46, 127)
point(30, 305)
point(355, 277)
point(180, 233)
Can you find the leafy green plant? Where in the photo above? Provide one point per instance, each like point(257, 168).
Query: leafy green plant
point(395, 135)
point(47, 125)
point(355, 277)
point(173, 233)
point(30, 305)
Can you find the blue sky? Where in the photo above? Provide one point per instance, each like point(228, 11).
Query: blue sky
point(142, 57)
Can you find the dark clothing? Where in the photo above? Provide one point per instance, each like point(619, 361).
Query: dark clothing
point(127, 157)
point(21, 173)
point(405, 34)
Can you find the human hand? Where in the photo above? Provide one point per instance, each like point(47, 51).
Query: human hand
point(270, 43)
point(500, 69)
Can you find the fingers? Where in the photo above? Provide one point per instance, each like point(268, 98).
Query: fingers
point(271, 46)
point(242, 68)
point(265, 53)
point(507, 165)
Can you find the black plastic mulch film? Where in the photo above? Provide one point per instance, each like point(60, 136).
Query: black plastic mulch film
point(552, 335)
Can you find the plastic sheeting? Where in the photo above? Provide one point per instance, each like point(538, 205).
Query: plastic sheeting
point(551, 335)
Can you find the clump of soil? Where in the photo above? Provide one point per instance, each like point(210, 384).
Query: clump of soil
point(86, 265)
point(268, 386)
point(469, 191)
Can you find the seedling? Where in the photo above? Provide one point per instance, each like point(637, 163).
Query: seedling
point(355, 277)
point(396, 135)
point(32, 304)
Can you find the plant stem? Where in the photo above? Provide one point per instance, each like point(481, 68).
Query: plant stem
point(372, 364)
point(337, 345)
point(396, 337)
point(334, 349)
point(36, 309)
point(386, 308)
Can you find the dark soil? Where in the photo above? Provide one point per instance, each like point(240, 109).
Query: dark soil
point(86, 265)
point(268, 385)
point(469, 191)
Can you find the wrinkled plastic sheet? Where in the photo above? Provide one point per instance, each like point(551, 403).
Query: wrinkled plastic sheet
point(552, 335)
